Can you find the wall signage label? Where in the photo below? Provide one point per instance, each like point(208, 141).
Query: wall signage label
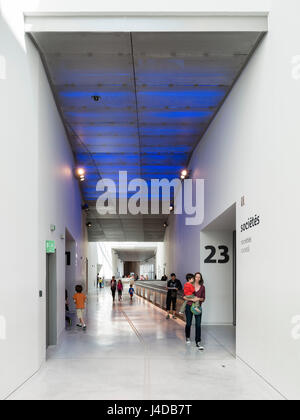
point(224, 253)
point(50, 247)
point(248, 227)
point(251, 223)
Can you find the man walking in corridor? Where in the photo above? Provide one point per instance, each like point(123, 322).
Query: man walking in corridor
point(113, 287)
point(174, 285)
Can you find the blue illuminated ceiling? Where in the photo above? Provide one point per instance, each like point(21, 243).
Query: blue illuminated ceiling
point(159, 92)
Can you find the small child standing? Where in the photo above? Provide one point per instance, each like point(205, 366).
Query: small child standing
point(131, 292)
point(189, 293)
point(80, 301)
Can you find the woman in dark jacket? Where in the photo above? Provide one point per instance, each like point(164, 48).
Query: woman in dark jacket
point(113, 287)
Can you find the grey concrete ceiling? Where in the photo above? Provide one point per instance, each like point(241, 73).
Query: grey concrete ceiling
point(159, 92)
point(136, 254)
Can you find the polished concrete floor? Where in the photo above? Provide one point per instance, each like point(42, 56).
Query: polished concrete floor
point(130, 351)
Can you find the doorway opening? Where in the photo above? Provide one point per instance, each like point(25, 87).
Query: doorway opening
point(70, 271)
point(131, 268)
point(51, 300)
point(218, 265)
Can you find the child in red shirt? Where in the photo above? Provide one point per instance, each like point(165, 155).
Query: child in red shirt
point(189, 289)
point(189, 292)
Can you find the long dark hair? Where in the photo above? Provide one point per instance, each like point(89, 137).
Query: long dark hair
point(201, 278)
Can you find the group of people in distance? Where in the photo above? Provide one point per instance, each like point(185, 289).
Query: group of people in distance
point(194, 297)
point(118, 286)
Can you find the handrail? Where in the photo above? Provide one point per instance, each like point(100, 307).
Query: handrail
point(156, 295)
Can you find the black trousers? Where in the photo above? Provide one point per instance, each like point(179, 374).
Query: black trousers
point(189, 320)
point(171, 302)
point(113, 292)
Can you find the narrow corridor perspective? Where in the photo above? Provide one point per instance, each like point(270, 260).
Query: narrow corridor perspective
point(130, 352)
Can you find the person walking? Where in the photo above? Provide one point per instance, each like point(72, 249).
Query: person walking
point(200, 297)
point(131, 293)
point(113, 287)
point(173, 286)
point(80, 301)
point(120, 289)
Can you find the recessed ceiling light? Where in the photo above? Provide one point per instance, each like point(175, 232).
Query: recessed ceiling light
point(184, 173)
point(80, 172)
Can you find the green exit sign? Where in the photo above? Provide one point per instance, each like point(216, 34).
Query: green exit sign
point(50, 247)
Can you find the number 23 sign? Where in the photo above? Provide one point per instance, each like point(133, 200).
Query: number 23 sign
point(224, 255)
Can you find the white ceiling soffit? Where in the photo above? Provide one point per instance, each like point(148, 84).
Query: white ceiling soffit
point(183, 22)
point(138, 254)
point(226, 221)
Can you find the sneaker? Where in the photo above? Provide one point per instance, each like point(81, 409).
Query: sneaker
point(188, 341)
point(84, 328)
point(168, 317)
point(200, 347)
point(79, 325)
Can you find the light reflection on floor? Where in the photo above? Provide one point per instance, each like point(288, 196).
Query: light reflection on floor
point(131, 352)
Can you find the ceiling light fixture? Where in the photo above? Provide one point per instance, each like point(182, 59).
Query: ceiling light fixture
point(80, 174)
point(80, 171)
point(96, 98)
point(166, 225)
point(184, 174)
point(89, 224)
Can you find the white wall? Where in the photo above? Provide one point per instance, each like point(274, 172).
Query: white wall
point(147, 268)
point(182, 248)
point(160, 260)
point(120, 267)
point(118, 6)
point(117, 265)
point(218, 308)
point(105, 258)
point(93, 265)
point(252, 149)
point(38, 189)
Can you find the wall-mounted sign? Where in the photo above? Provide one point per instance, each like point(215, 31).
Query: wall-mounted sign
point(224, 253)
point(50, 247)
point(251, 223)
